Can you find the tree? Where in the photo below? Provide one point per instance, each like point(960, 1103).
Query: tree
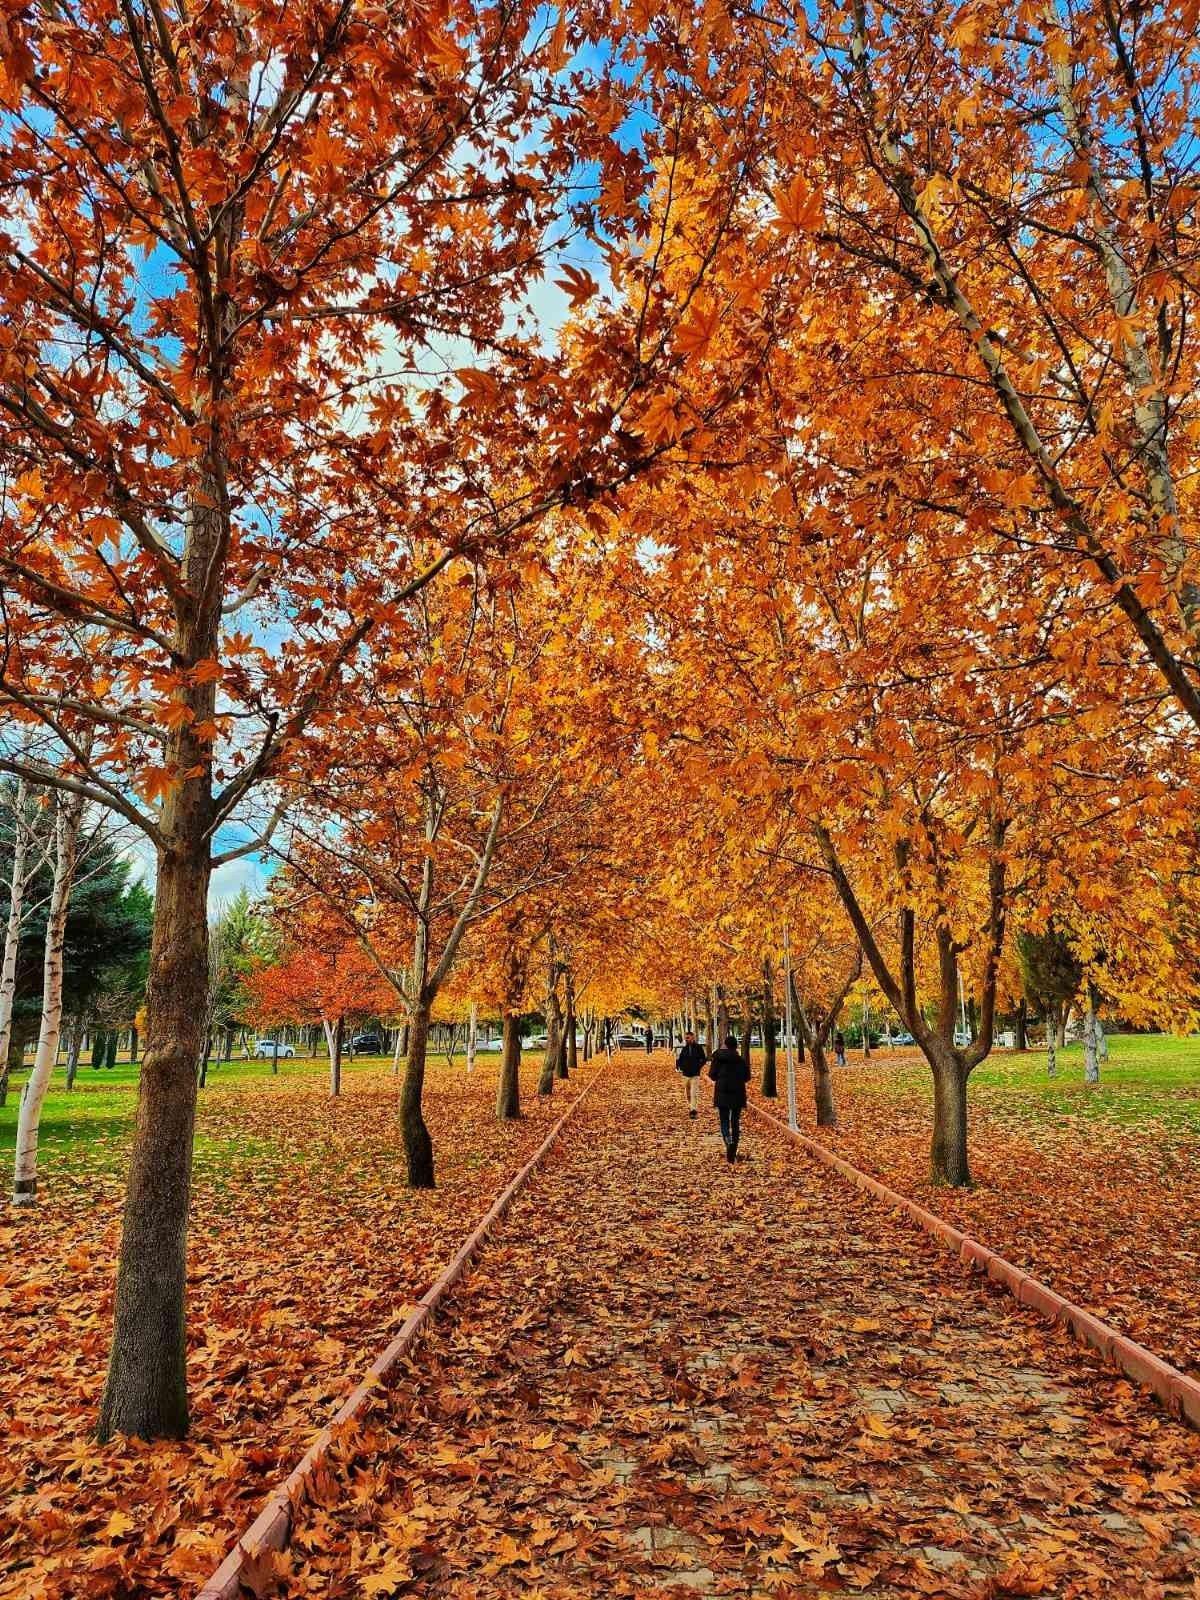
point(318, 973)
point(69, 809)
point(1052, 973)
point(22, 863)
point(235, 943)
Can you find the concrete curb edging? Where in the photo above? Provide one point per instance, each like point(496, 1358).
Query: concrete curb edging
point(1177, 1391)
point(272, 1528)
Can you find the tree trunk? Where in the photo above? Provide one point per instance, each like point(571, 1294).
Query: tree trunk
point(822, 1087)
point(146, 1389)
point(472, 1036)
point(1064, 1013)
point(418, 1146)
point(110, 1051)
point(770, 1086)
point(948, 1150)
point(12, 932)
point(227, 1051)
point(68, 817)
point(335, 1057)
point(553, 1029)
point(133, 1045)
point(747, 1026)
point(1091, 1054)
point(570, 1054)
point(722, 1017)
point(1052, 1032)
point(73, 1053)
point(397, 1051)
point(99, 1039)
point(508, 1092)
point(1023, 1024)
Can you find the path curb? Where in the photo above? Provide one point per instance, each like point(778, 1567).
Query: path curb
point(272, 1528)
point(1177, 1391)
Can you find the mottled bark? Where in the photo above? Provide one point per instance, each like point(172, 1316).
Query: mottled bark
point(822, 1079)
point(73, 1049)
point(1091, 1052)
point(472, 1036)
point(146, 1389)
point(66, 841)
point(508, 1092)
point(22, 839)
point(335, 1056)
point(571, 1052)
point(550, 1058)
point(948, 1147)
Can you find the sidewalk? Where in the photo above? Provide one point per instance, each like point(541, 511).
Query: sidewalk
point(669, 1376)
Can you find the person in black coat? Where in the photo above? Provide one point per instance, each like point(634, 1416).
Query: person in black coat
point(690, 1063)
point(730, 1075)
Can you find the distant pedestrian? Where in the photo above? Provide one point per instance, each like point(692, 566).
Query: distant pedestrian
point(690, 1063)
point(839, 1048)
point(730, 1075)
point(649, 1041)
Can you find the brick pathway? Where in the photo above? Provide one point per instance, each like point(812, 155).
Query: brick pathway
point(668, 1376)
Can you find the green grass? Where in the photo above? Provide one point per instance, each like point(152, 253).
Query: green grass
point(89, 1124)
point(1149, 1079)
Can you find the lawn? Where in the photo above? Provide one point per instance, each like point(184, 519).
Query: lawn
point(88, 1125)
point(1149, 1079)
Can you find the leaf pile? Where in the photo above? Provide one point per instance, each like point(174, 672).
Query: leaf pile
point(1105, 1213)
point(306, 1248)
point(673, 1377)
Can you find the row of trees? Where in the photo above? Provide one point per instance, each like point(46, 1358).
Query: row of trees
point(815, 559)
point(106, 940)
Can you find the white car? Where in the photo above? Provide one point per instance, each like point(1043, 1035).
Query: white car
point(265, 1049)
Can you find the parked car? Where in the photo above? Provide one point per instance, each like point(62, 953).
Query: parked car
point(367, 1044)
point(903, 1038)
point(265, 1049)
point(539, 1041)
point(630, 1041)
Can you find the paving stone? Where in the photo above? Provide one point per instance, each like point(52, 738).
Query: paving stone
point(733, 1399)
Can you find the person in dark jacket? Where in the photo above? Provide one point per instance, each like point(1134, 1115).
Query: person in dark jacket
point(690, 1062)
point(839, 1048)
point(730, 1075)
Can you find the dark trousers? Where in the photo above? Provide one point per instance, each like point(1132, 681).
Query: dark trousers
point(731, 1123)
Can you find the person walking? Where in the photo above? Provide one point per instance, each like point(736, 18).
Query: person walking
point(839, 1048)
point(730, 1075)
point(690, 1063)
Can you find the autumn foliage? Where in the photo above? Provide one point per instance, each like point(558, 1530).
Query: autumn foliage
point(631, 516)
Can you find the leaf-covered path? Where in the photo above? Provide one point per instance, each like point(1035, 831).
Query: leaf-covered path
point(666, 1375)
